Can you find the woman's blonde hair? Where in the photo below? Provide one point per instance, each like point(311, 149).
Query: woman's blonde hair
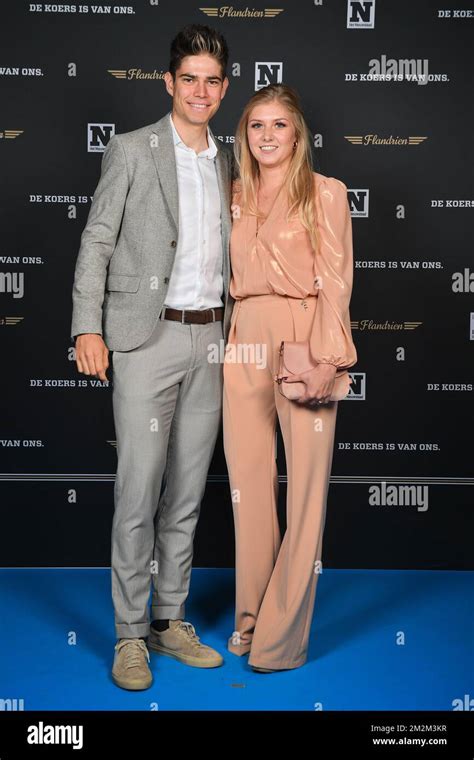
point(299, 180)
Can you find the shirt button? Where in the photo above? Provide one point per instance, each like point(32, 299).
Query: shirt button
point(167, 279)
point(173, 244)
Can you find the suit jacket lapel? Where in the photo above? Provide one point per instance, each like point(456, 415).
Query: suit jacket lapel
point(162, 149)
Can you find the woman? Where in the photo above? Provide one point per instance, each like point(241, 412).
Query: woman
point(291, 255)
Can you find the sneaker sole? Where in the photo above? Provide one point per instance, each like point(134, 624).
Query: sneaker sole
point(132, 685)
point(195, 662)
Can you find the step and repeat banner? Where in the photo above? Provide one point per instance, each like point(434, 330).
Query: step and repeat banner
point(387, 92)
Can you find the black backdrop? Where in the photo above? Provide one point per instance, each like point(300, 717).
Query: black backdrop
point(402, 145)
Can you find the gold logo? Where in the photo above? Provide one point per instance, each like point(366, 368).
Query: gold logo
point(377, 140)
point(136, 74)
point(10, 134)
point(11, 320)
point(229, 11)
point(369, 324)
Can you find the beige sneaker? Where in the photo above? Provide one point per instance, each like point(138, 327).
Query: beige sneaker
point(181, 642)
point(130, 669)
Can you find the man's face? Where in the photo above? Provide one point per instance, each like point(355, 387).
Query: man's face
point(197, 89)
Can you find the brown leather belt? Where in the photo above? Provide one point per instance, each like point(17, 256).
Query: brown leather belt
point(194, 316)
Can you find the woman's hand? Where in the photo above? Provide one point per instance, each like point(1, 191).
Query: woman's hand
point(319, 384)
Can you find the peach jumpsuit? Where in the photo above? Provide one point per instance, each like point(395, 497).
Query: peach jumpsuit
point(282, 292)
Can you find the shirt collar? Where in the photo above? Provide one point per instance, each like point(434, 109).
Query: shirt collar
point(210, 152)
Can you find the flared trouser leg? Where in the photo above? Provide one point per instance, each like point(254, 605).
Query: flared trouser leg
point(275, 579)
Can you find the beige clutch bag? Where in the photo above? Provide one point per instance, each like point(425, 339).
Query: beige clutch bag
point(295, 358)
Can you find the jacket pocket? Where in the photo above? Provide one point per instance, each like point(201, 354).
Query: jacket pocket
point(125, 282)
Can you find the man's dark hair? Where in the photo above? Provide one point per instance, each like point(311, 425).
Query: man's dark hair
point(196, 39)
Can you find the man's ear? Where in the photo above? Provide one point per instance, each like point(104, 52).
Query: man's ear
point(169, 83)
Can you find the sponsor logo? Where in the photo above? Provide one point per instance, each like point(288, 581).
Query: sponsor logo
point(268, 73)
point(11, 134)
point(360, 15)
point(369, 324)
point(371, 139)
point(136, 74)
point(228, 11)
point(98, 135)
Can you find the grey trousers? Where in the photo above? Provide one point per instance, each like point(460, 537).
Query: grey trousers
point(167, 403)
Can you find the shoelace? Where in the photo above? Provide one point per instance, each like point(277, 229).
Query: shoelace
point(190, 632)
point(133, 652)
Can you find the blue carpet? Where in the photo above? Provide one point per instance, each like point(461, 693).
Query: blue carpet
point(356, 658)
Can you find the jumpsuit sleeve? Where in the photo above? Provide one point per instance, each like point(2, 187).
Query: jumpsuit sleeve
point(331, 337)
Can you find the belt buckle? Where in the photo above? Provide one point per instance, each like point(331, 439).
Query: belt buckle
point(183, 312)
point(213, 314)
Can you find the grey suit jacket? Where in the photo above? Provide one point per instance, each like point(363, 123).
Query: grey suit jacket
point(129, 242)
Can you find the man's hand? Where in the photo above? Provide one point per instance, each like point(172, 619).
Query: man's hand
point(319, 384)
point(92, 355)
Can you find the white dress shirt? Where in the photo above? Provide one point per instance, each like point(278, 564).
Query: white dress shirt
point(196, 281)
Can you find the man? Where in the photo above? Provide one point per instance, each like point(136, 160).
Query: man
point(151, 285)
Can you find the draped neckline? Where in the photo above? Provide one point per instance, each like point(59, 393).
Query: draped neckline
point(275, 207)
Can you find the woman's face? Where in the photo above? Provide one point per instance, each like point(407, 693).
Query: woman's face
point(271, 134)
